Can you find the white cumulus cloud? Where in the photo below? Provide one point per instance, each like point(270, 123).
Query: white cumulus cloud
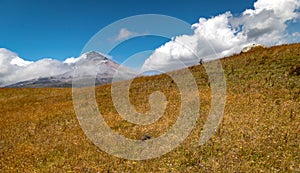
point(20, 62)
point(226, 34)
point(294, 37)
point(71, 60)
point(124, 33)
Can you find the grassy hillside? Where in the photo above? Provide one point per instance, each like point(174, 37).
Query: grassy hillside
point(260, 131)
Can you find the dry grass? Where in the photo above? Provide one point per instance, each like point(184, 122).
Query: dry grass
point(260, 131)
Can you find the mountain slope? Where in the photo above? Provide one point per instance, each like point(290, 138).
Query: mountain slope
point(260, 130)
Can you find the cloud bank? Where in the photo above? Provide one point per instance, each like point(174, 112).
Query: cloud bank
point(14, 69)
point(227, 34)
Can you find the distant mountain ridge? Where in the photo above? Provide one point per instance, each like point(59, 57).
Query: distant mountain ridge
point(91, 64)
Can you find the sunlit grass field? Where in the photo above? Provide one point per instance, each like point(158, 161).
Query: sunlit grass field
point(260, 130)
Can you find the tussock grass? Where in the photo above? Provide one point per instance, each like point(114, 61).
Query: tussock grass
point(260, 131)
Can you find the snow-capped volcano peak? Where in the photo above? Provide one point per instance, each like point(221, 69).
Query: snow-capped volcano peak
point(17, 72)
point(88, 56)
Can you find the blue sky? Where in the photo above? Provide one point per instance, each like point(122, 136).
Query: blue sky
point(40, 37)
point(59, 29)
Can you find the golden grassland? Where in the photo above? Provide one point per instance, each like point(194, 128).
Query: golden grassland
point(260, 130)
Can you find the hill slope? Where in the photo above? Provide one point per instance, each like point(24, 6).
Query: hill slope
point(260, 130)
